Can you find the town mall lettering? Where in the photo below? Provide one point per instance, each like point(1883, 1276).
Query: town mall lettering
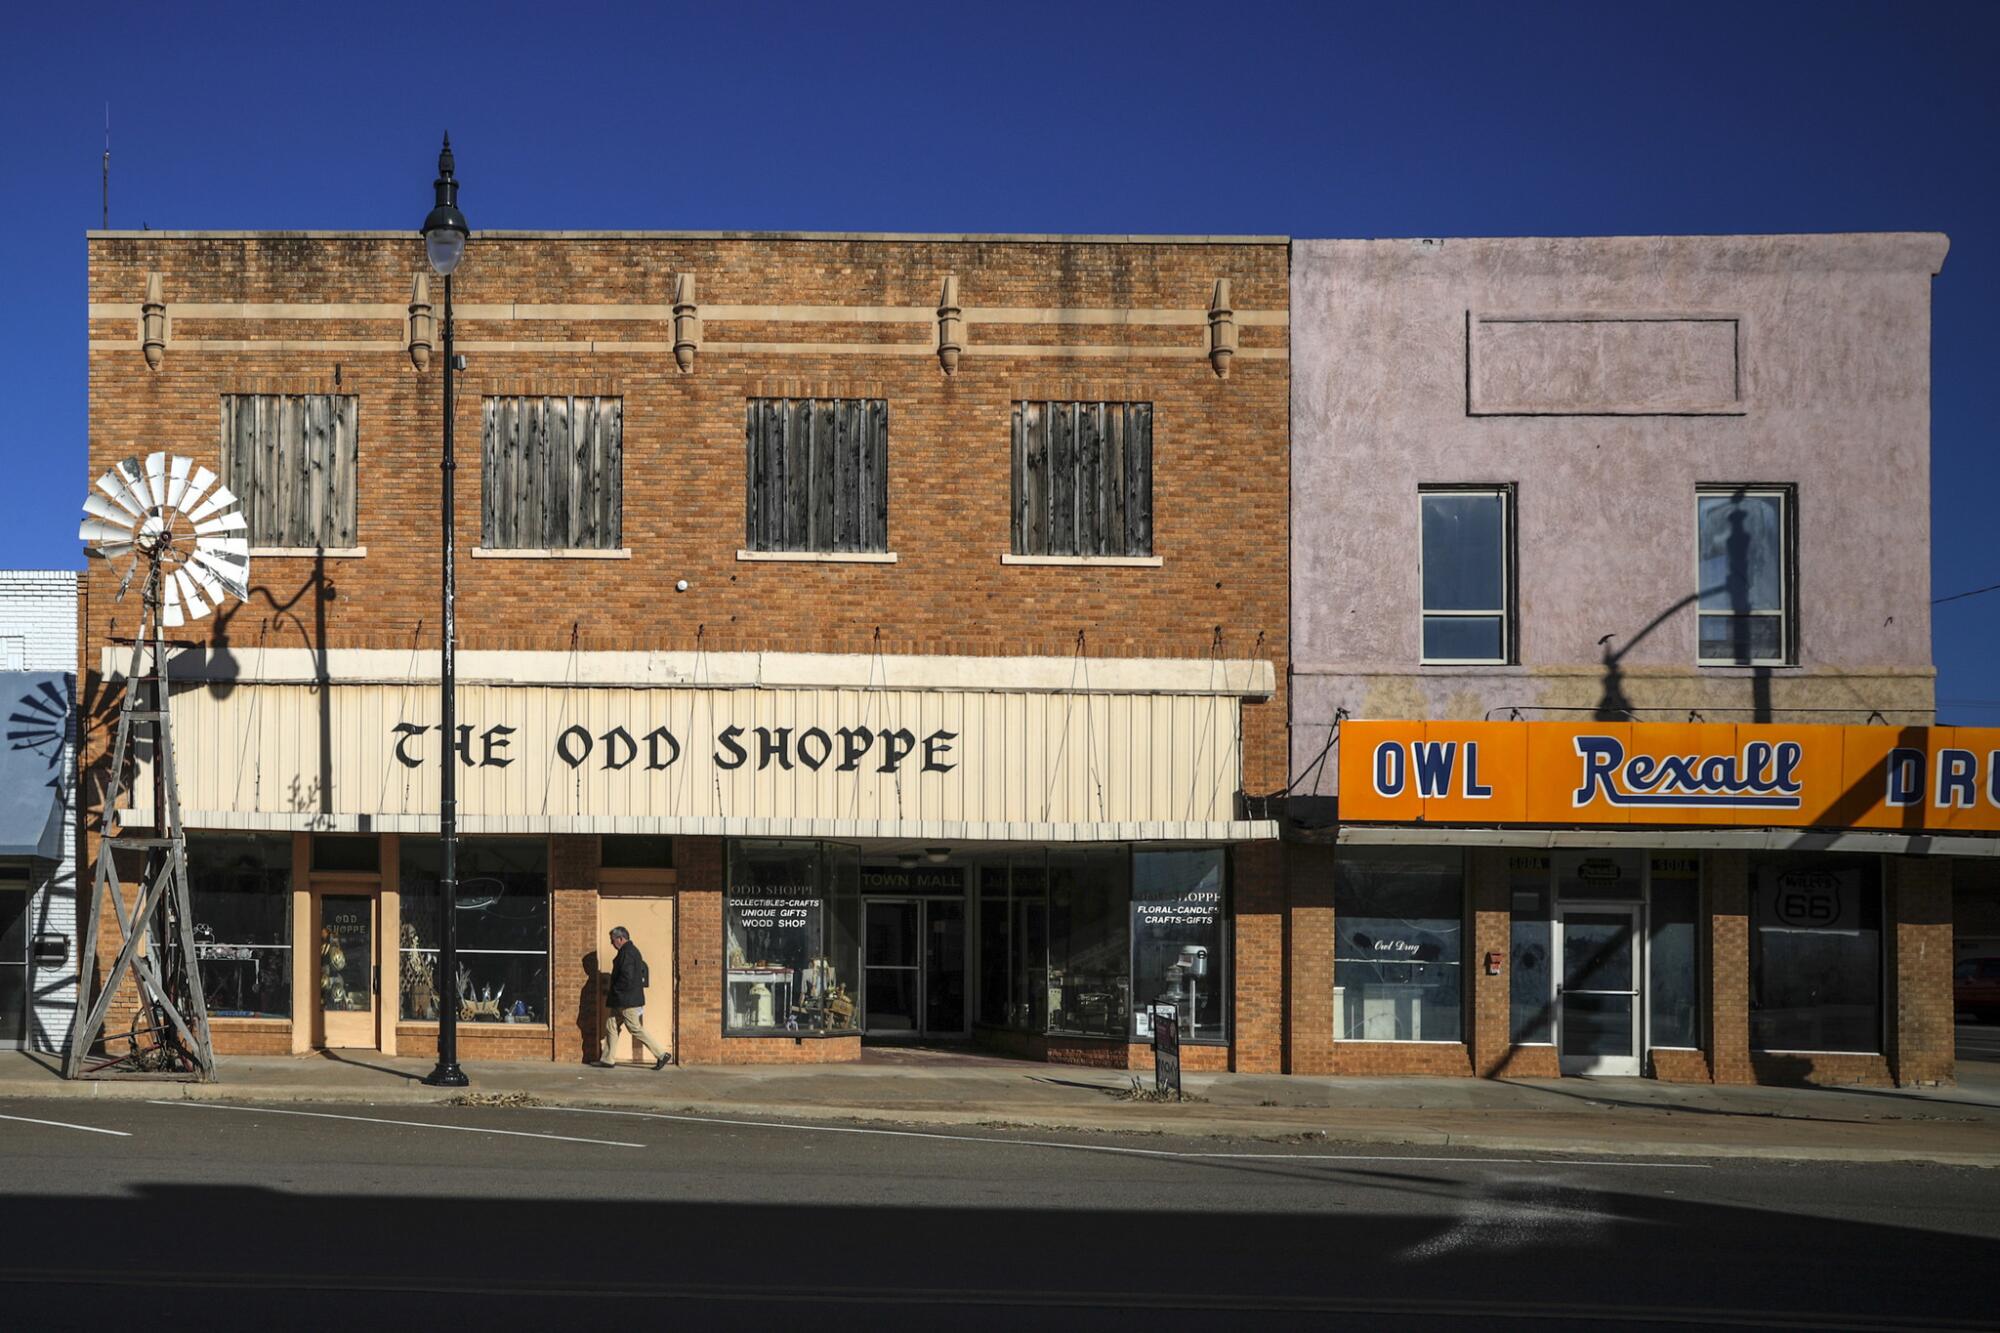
point(811, 748)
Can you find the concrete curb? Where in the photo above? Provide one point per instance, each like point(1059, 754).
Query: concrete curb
point(1109, 1121)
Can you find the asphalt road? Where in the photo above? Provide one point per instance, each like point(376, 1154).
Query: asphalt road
point(357, 1218)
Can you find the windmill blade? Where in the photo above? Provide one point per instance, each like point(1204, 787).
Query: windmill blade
point(221, 523)
point(116, 515)
point(177, 478)
point(190, 595)
point(135, 482)
point(156, 479)
point(214, 504)
point(196, 488)
point(96, 532)
point(113, 550)
point(106, 511)
point(234, 578)
point(232, 548)
point(211, 586)
point(170, 605)
point(113, 484)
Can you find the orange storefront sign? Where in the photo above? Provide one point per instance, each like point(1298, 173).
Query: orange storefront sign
point(1931, 779)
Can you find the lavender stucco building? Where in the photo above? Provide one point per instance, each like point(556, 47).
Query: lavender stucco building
point(1631, 480)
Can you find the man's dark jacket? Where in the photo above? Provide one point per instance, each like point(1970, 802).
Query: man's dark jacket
point(628, 990)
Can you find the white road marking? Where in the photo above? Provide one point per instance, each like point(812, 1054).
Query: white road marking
point(1123, 1152)
point(64, 1124)
point(407, 1124)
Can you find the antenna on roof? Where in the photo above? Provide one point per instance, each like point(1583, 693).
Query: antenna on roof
point(107, 166)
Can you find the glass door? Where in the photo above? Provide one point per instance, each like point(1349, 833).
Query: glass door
point(347, 969)
point(1599, 1011)
point(890, 976)
point(13, 962)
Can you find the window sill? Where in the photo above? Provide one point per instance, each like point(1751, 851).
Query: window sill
point(308, 552)
point(549, 553)
point(467, 1025)
point(823, 557)
point(1111, 561)
point(796, 1034)
point(1466, 662)
point(1716, 665)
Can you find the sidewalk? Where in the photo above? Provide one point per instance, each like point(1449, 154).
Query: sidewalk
point(1954, 1126)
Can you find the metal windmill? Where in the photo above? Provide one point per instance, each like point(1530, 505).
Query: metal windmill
point(168, 520)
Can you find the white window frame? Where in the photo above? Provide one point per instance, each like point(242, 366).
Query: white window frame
point(1505, 494)
point(1787, 499)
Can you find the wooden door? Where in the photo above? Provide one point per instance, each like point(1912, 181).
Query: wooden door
point(648, 913)
point(345, 931)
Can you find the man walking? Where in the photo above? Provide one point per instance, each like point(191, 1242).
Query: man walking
point(627, 1002)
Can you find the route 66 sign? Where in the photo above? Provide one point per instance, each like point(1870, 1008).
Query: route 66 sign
point(1810, 900)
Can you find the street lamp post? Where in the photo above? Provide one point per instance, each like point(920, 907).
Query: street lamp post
point(444, 240)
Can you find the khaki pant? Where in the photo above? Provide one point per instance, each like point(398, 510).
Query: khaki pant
point(631, 1018)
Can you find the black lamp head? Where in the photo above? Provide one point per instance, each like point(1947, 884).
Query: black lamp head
point(445, 228)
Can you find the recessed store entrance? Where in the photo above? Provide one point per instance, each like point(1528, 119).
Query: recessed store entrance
point(913, 968)
point(346, 981)
point(1598, 1018)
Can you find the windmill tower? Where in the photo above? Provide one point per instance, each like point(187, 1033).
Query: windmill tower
point(168, 521)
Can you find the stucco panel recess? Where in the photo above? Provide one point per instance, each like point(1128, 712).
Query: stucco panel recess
point(1602, 365)
point(1834, 335)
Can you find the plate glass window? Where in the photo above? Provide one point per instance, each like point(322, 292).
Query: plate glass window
point(791, 936)
point(241, 892)
point(1744, 545)
point(503, 930)
point(1399, 929)
point(1466, 574)
point(1816, 954)
point(1178, 951)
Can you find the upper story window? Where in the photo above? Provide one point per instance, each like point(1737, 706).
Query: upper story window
point(290, 458)
point(1083, 479)
point(1745, 544)
point(817, 476)
point(1468, 574)
point(552, 473)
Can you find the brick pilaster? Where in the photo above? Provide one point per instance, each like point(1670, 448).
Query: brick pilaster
point(698, 950)
point(1919, 957)
point(1489, 999)
point(1259, 1019)
point(1727, 881)
point(1309, 1032)
point(575, 1012)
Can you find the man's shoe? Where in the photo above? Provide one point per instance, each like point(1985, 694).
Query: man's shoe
point(663, 1061)
point(605, 1064)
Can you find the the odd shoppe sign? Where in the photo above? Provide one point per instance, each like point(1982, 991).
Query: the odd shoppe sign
point(546, 757)
point(1937, 779)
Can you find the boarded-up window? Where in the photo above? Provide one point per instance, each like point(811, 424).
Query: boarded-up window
point(290, 458)
point(818, 474)
point(552, 473)
point(1083, 478)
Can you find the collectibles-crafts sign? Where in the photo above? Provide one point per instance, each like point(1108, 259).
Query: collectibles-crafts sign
point(1936, 779)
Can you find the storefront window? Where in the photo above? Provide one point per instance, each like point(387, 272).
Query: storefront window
point(1178, 951)
point(1532, 977)
point(1399, 924)
point(790, 922)
point(241, 890)
point(1089, 936)
point(1673, 980)
point(502, 928)
point(996, 943)
point(1816, 953)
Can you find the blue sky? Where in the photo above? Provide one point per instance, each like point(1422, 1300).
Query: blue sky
point(1311, 120)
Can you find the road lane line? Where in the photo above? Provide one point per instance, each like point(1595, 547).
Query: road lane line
point(408, 1124)
point(64, 1124)
point(1125, 1152)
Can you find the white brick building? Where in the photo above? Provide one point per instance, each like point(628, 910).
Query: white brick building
point(38, 936)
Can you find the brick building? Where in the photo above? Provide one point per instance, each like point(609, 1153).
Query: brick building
point(38, 618)
point(1611, 595)
point(885, 629)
